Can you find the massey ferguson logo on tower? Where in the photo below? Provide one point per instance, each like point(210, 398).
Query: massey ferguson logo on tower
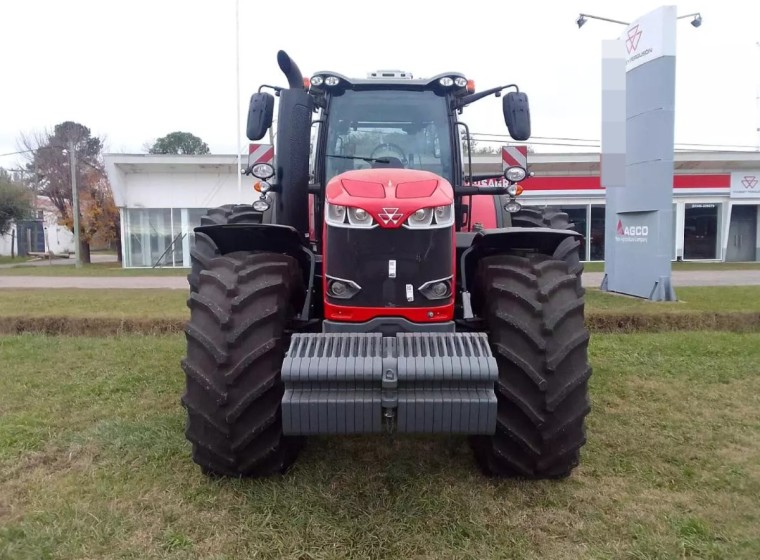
point(632, 43)
point(632, 234)
point(634, 36)
point(390, 215)
point(749, 182)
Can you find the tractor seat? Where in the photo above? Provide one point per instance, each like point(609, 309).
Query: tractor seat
point(392, 162)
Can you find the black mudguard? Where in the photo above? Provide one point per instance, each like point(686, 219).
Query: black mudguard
point(273, 238)
point(471, 247)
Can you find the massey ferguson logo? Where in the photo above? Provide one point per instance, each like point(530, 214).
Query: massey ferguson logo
point(749, 181)
point(632, 44)
point(632, 234)
point(634, 36)
point(390, 215)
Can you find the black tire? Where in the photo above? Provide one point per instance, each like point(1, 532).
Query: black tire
point(569, 249)
point(534, 312)
point(236, 342)
point(205, 249)
point(542, 217)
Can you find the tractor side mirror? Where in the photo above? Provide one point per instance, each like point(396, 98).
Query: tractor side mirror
point(260, 112)
point(517, 115)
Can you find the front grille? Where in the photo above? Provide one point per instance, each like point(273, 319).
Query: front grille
point(363, 256)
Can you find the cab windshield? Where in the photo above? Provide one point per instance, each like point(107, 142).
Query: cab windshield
point(408, 129)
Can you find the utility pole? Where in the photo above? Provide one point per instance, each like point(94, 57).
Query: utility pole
point(757, 101)
point(237, 96)
point(75, 202)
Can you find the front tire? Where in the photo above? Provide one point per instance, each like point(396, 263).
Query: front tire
point(236, 342)
point(533, 307)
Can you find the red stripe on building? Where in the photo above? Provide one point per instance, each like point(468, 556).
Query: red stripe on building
point(591, 182)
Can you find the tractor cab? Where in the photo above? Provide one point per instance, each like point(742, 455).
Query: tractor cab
point(387, 120)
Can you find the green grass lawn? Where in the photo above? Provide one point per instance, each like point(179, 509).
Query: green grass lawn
point(94, 464)
point(12, 260)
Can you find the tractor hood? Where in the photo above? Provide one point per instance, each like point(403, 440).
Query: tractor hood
point(391, 195)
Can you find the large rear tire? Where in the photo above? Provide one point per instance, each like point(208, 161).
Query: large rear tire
point(204, 249)
point(236, 342)
point(546, 217)
point(534, 311)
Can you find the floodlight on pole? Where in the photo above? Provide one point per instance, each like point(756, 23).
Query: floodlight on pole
point(582, 20)
point(696, 22)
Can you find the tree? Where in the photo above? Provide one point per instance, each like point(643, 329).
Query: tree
point(49, 174)
point(16, 201)
point(179, 143)
point(475, 149)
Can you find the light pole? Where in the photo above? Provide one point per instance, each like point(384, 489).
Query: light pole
point(75, 202)
point(757, 99)
point(237, 95)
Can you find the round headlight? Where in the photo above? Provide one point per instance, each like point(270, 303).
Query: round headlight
point(512, 190)
point(262, 171)
point(360, 214)
point(332, 80)
point(512, 207)
point(460, 81)
point(261, 205)
point(515, 173)
point(446, 81)
point(317, 81)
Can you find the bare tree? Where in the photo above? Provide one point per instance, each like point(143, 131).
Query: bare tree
point(49, 174)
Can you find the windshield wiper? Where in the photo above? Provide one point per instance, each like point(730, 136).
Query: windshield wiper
point(367, 159)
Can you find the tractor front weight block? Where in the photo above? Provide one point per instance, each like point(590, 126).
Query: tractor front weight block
point(340, 383)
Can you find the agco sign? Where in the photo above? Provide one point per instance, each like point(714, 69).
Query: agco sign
point(632, 234)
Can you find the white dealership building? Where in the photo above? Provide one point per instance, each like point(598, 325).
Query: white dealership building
point(716, 200)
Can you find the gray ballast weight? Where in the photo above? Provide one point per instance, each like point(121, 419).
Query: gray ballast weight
point(412, 382)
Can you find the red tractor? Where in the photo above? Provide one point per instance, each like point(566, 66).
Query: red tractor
point(374, 287)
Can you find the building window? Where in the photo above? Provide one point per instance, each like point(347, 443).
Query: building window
point(596, 232)
point(701, 235)
point(159, 236)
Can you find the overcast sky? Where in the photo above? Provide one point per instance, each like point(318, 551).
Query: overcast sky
point(134, 71)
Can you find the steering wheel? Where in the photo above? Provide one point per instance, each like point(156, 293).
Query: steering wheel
point(391, 148)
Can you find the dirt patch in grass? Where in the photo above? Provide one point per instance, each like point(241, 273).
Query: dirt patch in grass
point(652, 321)
point(89, 326)
point(605, 322)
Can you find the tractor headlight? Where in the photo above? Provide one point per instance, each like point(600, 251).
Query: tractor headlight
point(341, 216)
point(332, 80)
point(260, 205)
point(358, 217)
point(515, 173)
point(262, 171)
point(512, 206)
point(446, 81)
point(512, 190)
point(422, 218)
point(425, 218)
point(436, 289)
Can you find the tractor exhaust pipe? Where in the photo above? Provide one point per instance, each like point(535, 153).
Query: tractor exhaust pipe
point(290, 69)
